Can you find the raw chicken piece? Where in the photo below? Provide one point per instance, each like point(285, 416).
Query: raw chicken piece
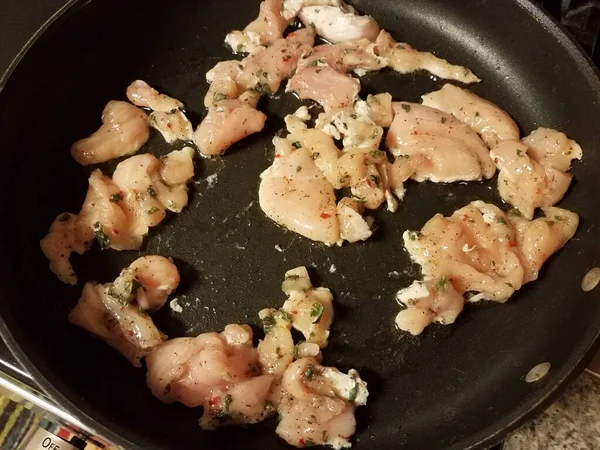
point(330, 88)
point(173, 125)
point(357, 56)
point(217, 371)
point(142, 94)
point(477, 253)
point(378, 108)
point(427, 302)
point(276, 350)
point(177, 167)
point(430, 144)
point(359, 169)
point(358, 131)
point(527, 183)
point(541, 238)
point(492, 123)
point(264, 30)
point(353, 227)
point(223, 82)
point(335, 24)
point(103, 217)
point(156, 276)
point(265, 68)
point(124, 130)
point(59, 243)
point(120, 324)
point(310, 309)
point(552, 148)
point(291, 8)
point(227, 123)
point(295, 194)
point(404, 59)
point(317, 405)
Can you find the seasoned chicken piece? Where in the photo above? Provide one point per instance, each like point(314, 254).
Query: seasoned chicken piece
point(142, 94)
point(59, 243)
point(217, 371)
point(378, 108)
point(353, 227)
point(541, 238)
point(265, 68)
point(177, 168)
point(430, 144)
point(276, 350)
point(104, 217)
point(524, 182)
point(404, 59)
point(291, 8)
point(552, 148)
point(357, 56)
point(120, 324)
point(427, 302)
point(355, 130)
point(124, 130)
point(317, 405)
point(359, 169)
point(223, 82)
point(149, 280)
point(310, 309)
point(477, 253)
point(295, 194)
point(264, 30)
point(492, 123)
point(173, 125)
point(331, 89)
point(335, 24)
point(227, 123)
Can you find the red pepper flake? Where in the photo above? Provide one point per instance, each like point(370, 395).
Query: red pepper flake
point(325, 216)
point(414, 133)
point(371, 183)
point(286, 58)
point(301, 442)
point(214, 401)
point(512, 243)
point(277, 156)
point(169, 125)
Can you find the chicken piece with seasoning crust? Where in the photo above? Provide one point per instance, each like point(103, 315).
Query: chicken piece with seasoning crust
point(143, 95)
point(477, 253)
point(124, 130)
point(491, 122)
point(534, 171)
point(112, 312)
point(317, 404)
point(402, 58)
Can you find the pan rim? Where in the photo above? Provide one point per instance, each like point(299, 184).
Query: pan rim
point(519, 415)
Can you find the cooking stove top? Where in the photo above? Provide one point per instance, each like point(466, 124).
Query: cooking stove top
point(581, 18)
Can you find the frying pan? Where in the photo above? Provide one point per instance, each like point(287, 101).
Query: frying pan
point(454, 387)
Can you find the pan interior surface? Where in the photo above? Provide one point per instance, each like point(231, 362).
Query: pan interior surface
point(454, 387)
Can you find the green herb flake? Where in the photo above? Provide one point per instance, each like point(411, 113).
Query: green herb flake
point(227, 400)
point(376, 153)
point(443, 120)
point(268, 323)
point(514, 212)
point(101, 236)
point(315, 155)
point(64, 217)
point(116, 198)
point(316, 312)
point(324, 436)
point(269, 406)
point(220, 97)
point(308, 443)
point(375, 179)
point(308, 373)
point(406, 107)
point(262, 88)
point(153, 210)
point(560, 219)
point(298, 169)
point(173, 205)
point(353, 393)
point(151, 192)
point(296, 144)
point(501, 220)
point(519, 152)
point(442, 283)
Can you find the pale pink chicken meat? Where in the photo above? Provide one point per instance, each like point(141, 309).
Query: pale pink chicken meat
point(112, 311)
point(337, 24)
point(227, 123)
point(357, 56)
point(124, 130)
point(331, 89)
point(142, 94)
point(477, 253)
point(402, 58)
point(533, 172)
point(491, 122)
point(173, 125)
point(264, 30)
point(59, 243)
point(317, 404)
point(431, 145)
point(295, 194)
point(217, 371)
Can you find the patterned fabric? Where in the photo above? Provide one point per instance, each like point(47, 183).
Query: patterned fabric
point(16, 421)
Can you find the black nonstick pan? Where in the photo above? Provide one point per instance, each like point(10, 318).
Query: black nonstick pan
point(454, 387)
